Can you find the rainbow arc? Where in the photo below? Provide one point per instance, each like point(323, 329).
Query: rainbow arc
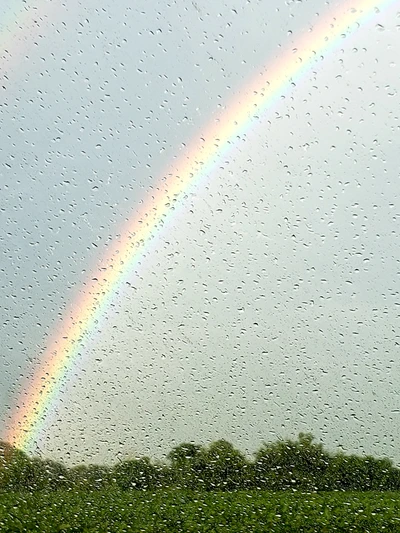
point(198, 162)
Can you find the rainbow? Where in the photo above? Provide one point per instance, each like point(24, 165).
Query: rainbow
point(38, 396)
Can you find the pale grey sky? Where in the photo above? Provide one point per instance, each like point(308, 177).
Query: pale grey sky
point(270, 302)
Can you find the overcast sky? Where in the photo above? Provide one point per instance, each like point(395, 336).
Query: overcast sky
point(269, 304)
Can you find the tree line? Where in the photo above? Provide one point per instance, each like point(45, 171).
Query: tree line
point(301, 464)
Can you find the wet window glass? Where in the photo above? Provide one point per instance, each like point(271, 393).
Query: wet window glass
point(199, 264)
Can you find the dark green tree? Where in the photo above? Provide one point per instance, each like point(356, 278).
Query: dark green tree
point(18, 471)
point(185, 465)
point(287, 464)
point(352, 472)
point(16, 468)
point(139, 474)
point(91, 477)
point(221, 466)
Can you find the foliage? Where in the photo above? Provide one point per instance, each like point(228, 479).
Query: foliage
point(185, 465)
point(301, 465)
point(91, 477)
point(138, 474)
point(218, 466)
point(368, 473)
point(221, 466)
point(189, 511)
point(20, 472)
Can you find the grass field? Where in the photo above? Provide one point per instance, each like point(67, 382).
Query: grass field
point(184, 511)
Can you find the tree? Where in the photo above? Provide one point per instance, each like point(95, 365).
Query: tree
point(138, 474)
point(184, 460)
point(91, 477)
point(15, 468)
point(351, 472)
point(221, 466)
point(184, 454)
point(288, 464)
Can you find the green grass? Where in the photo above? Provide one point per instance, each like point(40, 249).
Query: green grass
point(185, 511)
